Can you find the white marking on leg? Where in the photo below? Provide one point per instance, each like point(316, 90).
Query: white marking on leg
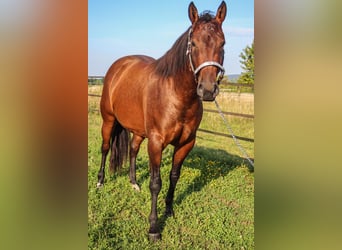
point(136, 187)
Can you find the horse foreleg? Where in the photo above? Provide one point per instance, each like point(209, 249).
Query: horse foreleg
point(155, 154)
point(179, 155)
point(106, 134)
point(135, 146)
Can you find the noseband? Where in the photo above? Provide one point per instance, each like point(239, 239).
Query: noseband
point(202, 65)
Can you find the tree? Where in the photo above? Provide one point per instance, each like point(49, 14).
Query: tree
point(247, 62)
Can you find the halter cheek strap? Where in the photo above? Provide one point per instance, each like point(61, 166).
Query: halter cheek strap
point(203, 65)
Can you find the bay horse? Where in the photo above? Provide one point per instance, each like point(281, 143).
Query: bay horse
point(162, 100)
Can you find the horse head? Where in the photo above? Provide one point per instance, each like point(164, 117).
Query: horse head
point(206, 50)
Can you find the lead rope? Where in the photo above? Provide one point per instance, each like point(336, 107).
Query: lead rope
point(243, 151)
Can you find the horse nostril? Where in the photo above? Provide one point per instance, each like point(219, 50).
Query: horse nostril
point(200, 90)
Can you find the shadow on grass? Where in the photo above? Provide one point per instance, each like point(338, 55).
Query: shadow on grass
point(212, 163)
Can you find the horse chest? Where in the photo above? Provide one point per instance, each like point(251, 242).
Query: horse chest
point(184, 130)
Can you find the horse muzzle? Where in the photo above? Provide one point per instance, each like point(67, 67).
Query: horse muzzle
point(207, 88)
point(207, 91)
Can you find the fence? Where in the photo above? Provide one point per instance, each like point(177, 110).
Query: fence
point(245, 116)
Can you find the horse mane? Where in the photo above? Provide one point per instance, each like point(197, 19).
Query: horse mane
point(175, 59)
point(206, 16)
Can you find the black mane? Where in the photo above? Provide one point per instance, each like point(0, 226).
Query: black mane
point(174, 60)
point(206, 16)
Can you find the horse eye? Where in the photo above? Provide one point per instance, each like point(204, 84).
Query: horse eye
point(193, 43)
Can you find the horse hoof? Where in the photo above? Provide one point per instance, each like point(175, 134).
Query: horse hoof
point(136, 187)
point(154, 237)
point(98, 185)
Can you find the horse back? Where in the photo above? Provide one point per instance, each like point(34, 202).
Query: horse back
point(123, 92)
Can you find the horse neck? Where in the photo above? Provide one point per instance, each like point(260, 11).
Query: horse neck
point(185, 86)
point(175, 67)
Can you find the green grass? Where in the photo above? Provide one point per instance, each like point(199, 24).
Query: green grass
point(214, 198)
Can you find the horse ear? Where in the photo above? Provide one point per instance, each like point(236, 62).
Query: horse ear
point(193, 14)
point(221, 12)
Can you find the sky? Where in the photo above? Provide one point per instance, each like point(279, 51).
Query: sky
point(119, 28)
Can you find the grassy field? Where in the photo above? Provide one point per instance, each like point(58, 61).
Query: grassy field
point(214, 198)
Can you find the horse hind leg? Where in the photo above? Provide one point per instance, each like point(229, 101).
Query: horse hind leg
point(134, 149)
point(107, 127)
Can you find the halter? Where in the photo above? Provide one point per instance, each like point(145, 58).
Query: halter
point(202, 65)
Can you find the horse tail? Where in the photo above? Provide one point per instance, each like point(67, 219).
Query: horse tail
point(120, 147)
